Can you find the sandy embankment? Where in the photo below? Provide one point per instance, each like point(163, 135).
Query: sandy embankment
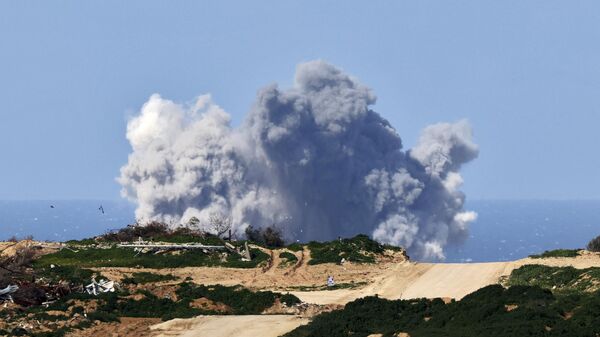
point(444, 280)
point(229, 326)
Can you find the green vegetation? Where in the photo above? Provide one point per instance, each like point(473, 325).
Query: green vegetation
point(359, 249)
point(559, 279)
point(124, 257)
point(289, 257)
point(71, 274)
point(295, 247)
point(110, 306)
point(145, 277)
point(241, 300)
point(557, 253)
point(491, 311)
point(594, 244)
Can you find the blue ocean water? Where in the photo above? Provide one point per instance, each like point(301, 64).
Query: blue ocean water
point(504, 230)
point(69, 219)
point(511, 229)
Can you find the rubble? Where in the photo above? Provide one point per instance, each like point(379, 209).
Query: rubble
point(104, 286)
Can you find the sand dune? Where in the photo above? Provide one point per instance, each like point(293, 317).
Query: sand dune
point(430, 280)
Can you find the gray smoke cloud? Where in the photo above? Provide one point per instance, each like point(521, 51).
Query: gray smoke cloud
point(314, 160)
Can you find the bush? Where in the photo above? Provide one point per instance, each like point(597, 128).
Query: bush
point(557, 253)
point(560, 279)
point(289, 257)
point(536, 312)
point(359, 249)
point(594, 244)
point(124, 257)
point(241, 300)
point(145, 277)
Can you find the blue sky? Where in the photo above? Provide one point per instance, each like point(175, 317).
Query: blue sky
point(525, 73)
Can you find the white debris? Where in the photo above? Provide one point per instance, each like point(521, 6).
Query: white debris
point(5, 293)
point(104, 286)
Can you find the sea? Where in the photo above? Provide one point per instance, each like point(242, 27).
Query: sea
point(504, 230)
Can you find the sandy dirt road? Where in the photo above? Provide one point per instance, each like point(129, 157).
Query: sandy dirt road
point(229, 326)
point(445, 280)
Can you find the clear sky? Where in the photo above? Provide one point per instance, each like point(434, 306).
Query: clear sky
point(525, 73)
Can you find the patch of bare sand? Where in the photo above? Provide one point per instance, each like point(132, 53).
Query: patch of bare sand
point(8, 248)
point(229, 326)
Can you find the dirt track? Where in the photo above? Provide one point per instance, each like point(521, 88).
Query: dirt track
point(229, 326)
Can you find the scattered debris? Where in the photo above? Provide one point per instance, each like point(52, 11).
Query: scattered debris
point(330, 281)
point(104, 286)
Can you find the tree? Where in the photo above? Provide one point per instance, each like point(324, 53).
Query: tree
point(219, 223)
point(594, 245)
point(272, 237)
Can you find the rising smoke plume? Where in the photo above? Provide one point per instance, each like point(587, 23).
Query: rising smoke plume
point(313, 160)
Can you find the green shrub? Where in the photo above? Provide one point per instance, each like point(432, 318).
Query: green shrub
point(536, 312)
point(560, 279)
point(289, 299)
point(146, 277)
point(359, 249)
point(242, 301)
point(557, 253)
point(125, 257)
point(289, 257)
point(295, 247)
point(70, 273)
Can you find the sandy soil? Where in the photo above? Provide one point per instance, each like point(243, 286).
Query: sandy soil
point(229, 326)
point(445, 280)
point(11, 248)
point(275, 277)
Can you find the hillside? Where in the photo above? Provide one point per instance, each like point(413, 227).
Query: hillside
point(286, 280)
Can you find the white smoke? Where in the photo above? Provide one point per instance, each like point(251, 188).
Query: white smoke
point(313, 159)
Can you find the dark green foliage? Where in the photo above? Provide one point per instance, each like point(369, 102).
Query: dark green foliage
point(594, 244)
point(295, 247)
point(289, 257)
point(357, 249)
point(289, 299)
point(135, 231)
point(560, 279)
point(146, 277)
point(71, 273)
point(557, 253)
point(536, 312)
point(82, 242)
point(149, 306)
point(123, 257)
point(241, 300)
